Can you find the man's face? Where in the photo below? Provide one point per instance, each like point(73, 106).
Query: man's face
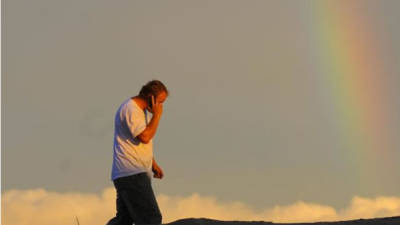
point(161, 97)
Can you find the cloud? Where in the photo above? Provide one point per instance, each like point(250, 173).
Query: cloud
point(38, 206)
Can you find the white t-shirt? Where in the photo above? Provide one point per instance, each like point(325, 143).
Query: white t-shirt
point(131, 156)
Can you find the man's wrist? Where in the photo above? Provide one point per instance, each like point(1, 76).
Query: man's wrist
point(157, 115)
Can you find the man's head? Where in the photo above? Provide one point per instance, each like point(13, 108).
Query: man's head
point(155, 88)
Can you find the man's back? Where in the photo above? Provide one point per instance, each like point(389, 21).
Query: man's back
point(130, 156)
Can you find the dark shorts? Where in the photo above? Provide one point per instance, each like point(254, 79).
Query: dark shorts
point(136, 202)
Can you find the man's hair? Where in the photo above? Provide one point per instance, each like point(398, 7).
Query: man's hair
point(153, 87)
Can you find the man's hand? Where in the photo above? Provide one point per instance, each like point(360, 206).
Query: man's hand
point(157, 106)
point(158, 173)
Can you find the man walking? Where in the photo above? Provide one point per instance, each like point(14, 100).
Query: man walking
point(133, 161)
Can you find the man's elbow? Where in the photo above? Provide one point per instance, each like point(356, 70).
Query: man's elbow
point(143, 138)
point(145, 141)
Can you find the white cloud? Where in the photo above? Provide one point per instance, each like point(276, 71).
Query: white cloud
point(38, 206)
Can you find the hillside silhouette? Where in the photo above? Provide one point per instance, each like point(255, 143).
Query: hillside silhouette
point(204, 221)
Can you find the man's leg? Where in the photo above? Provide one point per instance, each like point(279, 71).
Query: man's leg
point(140, 200)
point(123, 216)
point(151, 213)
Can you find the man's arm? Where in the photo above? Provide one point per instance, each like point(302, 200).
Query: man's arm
point(150, 130)
point(154, 163)
point(158, 173)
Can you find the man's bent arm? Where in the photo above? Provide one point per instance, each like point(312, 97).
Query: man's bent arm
point(150, 130)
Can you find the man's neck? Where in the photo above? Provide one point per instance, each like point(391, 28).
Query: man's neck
point(140, 102)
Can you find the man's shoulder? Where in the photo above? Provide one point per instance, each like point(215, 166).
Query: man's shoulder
point(130, 106)
point(127, 103)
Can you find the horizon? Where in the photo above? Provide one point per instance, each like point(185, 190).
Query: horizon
point(275, 108)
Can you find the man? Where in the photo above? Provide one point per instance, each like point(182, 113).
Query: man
point(133, 160)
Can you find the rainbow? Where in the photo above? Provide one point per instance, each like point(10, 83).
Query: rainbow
point(351, 74)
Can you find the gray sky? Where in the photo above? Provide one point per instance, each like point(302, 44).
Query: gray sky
point(246, 119)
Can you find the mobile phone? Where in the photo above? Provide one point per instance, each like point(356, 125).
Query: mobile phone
point(150, 102)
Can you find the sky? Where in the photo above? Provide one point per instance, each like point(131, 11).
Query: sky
point(273, 106)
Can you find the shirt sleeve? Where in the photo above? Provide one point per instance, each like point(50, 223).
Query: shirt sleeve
point(135, 121)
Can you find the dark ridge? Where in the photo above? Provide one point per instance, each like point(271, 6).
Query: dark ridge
point(204, 221)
